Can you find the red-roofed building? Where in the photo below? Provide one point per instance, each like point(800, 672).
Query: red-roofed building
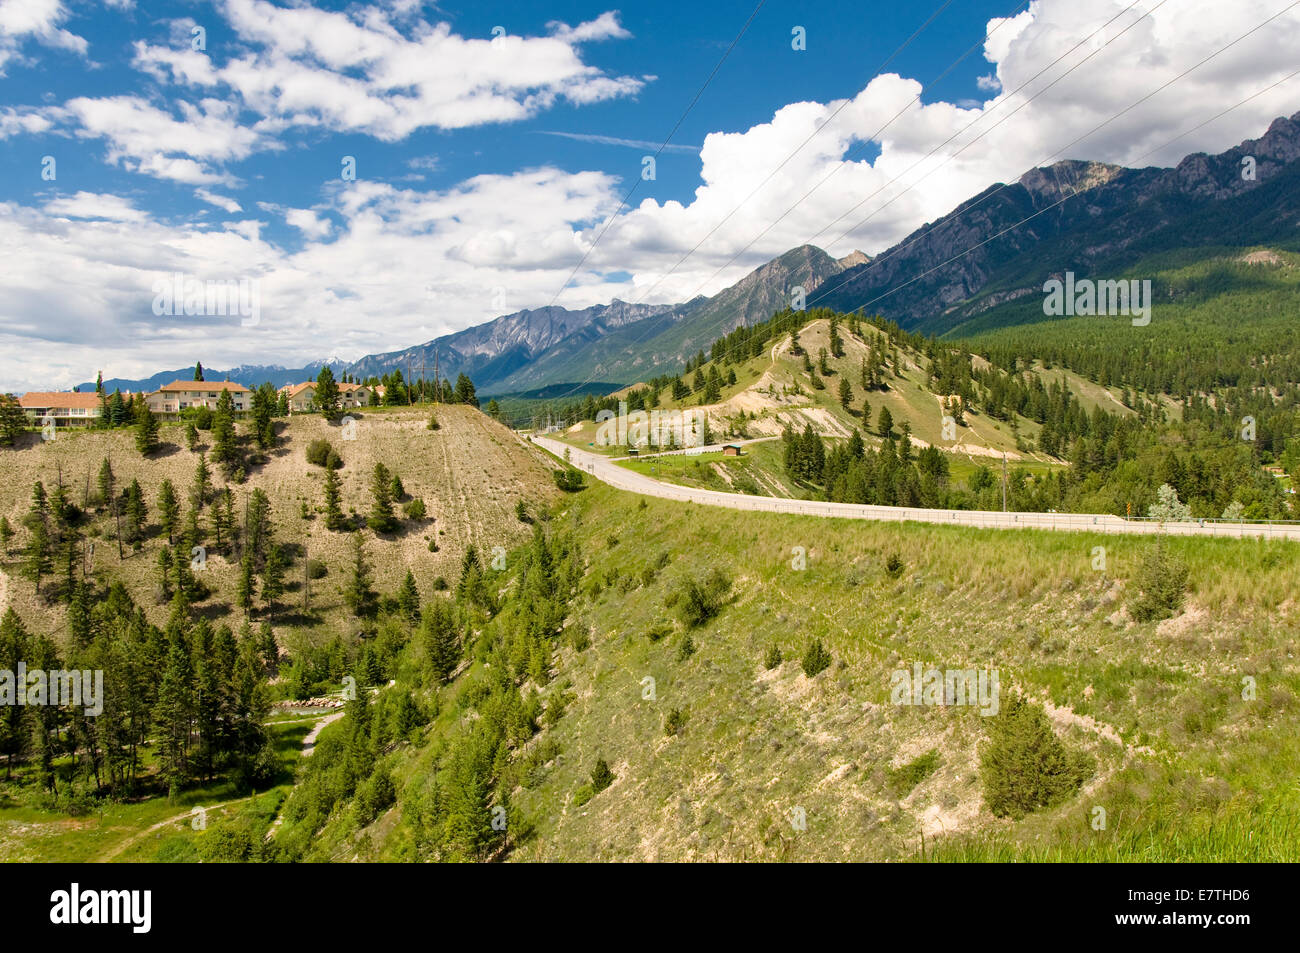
point(65, 408)
point(172, 398)
point(302, 397)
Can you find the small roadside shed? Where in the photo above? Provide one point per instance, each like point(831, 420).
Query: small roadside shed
point(732, 450)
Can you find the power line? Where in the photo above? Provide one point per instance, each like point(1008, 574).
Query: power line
point(680, 119)
point(1070, 196)
point(889, 59)
point(796, 151)
point(931, 153)
point(1029, 100)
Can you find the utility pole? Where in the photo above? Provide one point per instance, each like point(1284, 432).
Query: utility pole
point(437, 381)
point(1004, 481)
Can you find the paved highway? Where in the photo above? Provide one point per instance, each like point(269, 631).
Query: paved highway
point(603, 469)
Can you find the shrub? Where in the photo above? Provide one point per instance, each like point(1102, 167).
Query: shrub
point(229, 843)
point(894, 565)
point(1167, 507)
point(815, 658)
point(569, 480)
point(699, 601)
point(1023, 765)
point(1161, 584)
point(433, 423)
point(772, 658)
point(686, 649)
point(316, 569)
point(675, 722)
point(374, 795)
point(601, 776)
point(322, 453)
point(440, 584)
point(902, 779)
point(521, 512)
point(657, 632)
point(414, 510)
point(583, 795)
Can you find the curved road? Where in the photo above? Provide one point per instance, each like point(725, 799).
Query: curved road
point(623, 479)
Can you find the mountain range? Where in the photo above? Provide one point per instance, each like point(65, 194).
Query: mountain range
point(1087, 217)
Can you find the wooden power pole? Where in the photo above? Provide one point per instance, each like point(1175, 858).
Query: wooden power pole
point(1004, 482)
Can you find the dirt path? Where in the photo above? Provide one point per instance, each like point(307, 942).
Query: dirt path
point(134, 838)
point(309, 742)
point(308, 746)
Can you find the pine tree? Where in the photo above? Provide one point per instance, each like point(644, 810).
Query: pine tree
point(327, 393)
point(885, 422)
point(408, 598)
point(264, 416)
point(247, 587)
point(469, 807)
point(441, 638)
point(137, 514)
point(333, 511)
point(846, 393)
point(469, 588)
point(465, 391)
point(273, 578)
point(225, 449)
point(193, 530)
point(146, 430)
point(381, 512)
point(165, 574)
point(15, 730)
point(37, 561)
point(359, 596)
point(117, 412)
point(1023, 765)
point(174, 714)
point(220, 520)
point(13, 420)
point(202, 482)
point(107, 482)
point(170, 509)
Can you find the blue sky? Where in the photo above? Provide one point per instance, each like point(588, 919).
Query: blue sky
point(673, 48)
point(486, 168)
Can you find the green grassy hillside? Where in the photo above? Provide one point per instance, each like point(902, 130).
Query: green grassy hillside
point(730, 754)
